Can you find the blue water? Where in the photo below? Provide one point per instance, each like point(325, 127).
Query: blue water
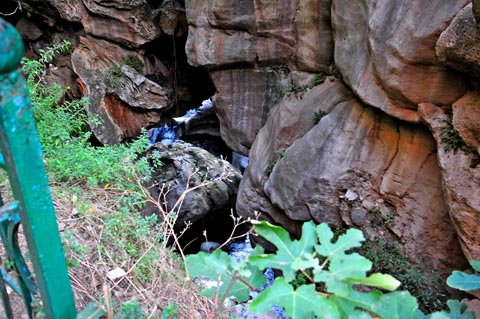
point(241, 250)
point(167, 134)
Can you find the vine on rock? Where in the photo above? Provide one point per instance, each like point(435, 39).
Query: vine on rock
point(338, 281)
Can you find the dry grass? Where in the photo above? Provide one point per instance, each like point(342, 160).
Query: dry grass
point(154, 279)
point(160, 281)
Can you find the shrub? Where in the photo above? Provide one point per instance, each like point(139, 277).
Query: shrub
point(338, 288)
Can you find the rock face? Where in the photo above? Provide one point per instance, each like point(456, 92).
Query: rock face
point(458, 46)
point(460, 182)
point(210, 183)
point(132, 102)
point(351, 168)
point(105, 35)
point(251, 47)
point(363, 156)
point(353, 151)
point(386, 53)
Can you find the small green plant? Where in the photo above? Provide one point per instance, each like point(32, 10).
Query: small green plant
point(270, 167)
point(318, 79)
point(451, 138)
point(338, 281)
point(292, 88)
point(72, 249)
point(387, 257)
point(389, 218)
point(453, 141)
point(114, 77)
point(281, 153)
point(131, 310)
point(318, 116)
point(170, 311)
point(133, 62)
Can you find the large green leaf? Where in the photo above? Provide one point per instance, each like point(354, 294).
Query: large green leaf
point(303, 303)
point(396, 305)
point(220, 267)
point(457, 311)
point(359, 315)
point(351, 239)
point(355, 300)
point(341, 268)
point(463, 281)
point(377, 280)
point(288, 252)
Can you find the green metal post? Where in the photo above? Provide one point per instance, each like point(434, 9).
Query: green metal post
point(22, 158)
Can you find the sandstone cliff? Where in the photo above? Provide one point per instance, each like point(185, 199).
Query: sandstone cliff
point(347, 110)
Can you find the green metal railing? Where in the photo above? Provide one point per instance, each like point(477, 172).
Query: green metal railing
point(21, 157)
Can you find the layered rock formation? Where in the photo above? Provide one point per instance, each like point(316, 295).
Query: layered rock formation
point(361, 164)
point(105, 34)
point(368, 147)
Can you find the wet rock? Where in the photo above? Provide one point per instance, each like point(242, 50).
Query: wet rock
point(211, 185)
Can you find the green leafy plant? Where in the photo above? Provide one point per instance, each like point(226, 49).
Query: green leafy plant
point(114, 77)
point(292, 88)
point(318, 79)
point(463, 281)
point(130, 310)
point(63, 131)
point(170, 311)
point(339, 283)
point(387, 257)
point(270, 167)
point(451, 138)
point(72, 249)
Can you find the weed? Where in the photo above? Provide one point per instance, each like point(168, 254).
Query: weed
point(318, 79)
point(133, 62)
point(451, 138)
point(387, 257)
point(281, 154)
point(270, 167)
point(170, 311)
point(453, 141)
point(114, 78)
point(130, 310)
point(292, 88)
point(318, 116)
point(389, 218)
point(72, 249)
point(98, 195)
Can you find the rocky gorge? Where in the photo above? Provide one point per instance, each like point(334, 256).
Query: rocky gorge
point(361, 114)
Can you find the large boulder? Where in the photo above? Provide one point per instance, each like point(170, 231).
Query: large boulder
point(466, 119)
point(330, 159)
point(385, 51)
point(198, 187)
point(460, 180)
point(458, 46)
